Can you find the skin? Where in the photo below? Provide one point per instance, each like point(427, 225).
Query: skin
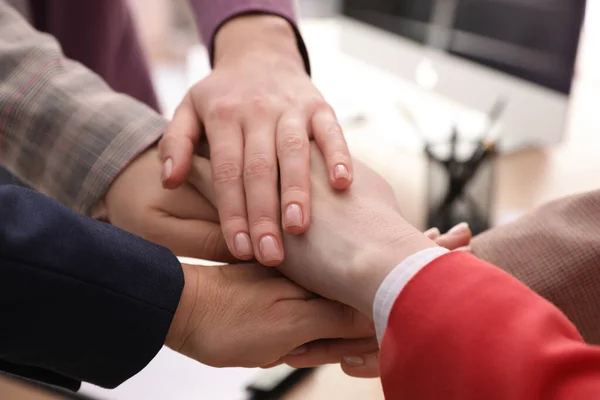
point(342, 240)
point(182, 220)
point(251, 316)
point(258, 110)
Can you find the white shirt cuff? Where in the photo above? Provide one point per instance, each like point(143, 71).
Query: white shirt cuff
point(397, 279)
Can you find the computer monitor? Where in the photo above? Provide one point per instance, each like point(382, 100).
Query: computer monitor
point(474, 52)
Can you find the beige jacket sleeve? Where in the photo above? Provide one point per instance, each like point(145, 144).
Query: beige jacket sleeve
point(62, 129)
point(555, 250)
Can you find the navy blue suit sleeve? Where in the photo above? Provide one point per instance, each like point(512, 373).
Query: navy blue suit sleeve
point(80, 300)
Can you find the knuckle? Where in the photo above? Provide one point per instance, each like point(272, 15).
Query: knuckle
point(232, 222)
point(335, 130)
point(261, 104)
point(212, 244)
point(292, 144)
point(258, 166)
point(318, 103)
point(223, 110)
point(340, 156)
point(226, 172)
point(264, 222)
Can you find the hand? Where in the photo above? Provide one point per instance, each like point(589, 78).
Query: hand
point(360, 357)
point(259, 109)
point(183, 220)
point(251, 316)
point(355, 239)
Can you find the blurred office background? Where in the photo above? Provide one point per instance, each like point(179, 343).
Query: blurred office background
point(401, 72)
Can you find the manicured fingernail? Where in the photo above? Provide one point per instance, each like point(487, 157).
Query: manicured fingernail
point(354, 361)
point(269, 249)
point(242, 244)
point(293, 216)
point(459, 229)
point(167, 169)
point(341, 172)
point(432, 233)
point(299, 350)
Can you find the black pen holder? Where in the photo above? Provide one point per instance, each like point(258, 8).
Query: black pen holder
point(460, 187)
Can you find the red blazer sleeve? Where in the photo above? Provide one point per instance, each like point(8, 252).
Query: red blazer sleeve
point(463, 329)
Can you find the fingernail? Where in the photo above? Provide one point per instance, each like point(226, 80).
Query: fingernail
point(242, 244)
point(459, 229)
point(269, 249)
point(293, 216)
point(341, 172)
point(432, 232)
point(299, 350)
point(167, 169)
point(355, 361)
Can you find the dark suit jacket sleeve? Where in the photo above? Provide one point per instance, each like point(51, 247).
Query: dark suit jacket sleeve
point(555, 250)
point(80, 300)
point(463, 329)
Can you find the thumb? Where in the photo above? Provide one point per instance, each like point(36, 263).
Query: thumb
point(458, 236)
point(176, 147)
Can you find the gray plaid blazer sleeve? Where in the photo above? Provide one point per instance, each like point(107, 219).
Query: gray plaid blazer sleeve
point(555, 250)
point(62, 129)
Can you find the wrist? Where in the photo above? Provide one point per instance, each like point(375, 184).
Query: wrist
point(265, 34)
point(187, 303)
point(375, 262)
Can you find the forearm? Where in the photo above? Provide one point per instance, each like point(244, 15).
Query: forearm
point(211, 18)
point(64, 131)
point(462, 329)
point(87, 301)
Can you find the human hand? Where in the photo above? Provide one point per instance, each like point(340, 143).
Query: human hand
point(359, 358)
point(355, 239)
point(259, 109)
point(251, 316)
point(183, 220)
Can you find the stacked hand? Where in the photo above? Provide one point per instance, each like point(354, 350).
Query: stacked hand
point(355, 239)
point(183, 220)
point(252, 316)
point(333, 258)
point(258, 110)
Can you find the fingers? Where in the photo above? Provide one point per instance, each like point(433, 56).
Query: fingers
point(458, 236)
point(329, 352)
point(330, 138)
point(227, 157)
point(177, 145)
point(262, 195)
point(361, 366)
point(432, 233)
point(189, 238)
point(293, 153)
point(200, 177)
point(320, 318)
